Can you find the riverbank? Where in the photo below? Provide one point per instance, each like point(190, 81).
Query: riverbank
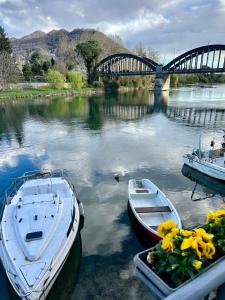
point(47, 92)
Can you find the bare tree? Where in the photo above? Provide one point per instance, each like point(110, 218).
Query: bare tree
point(149, 52)
point(9, 73)
point(153, 54)
point(139, 50)
point(116, 38)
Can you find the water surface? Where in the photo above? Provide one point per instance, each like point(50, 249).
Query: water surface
point(135, 135)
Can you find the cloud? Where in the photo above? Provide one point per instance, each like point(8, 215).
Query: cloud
point(144, 20)
point(171, 27)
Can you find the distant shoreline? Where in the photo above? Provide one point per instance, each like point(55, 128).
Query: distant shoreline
point(47, 92)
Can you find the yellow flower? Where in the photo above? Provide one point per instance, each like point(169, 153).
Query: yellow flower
point(187, 243)
point(173, 232)
point(167, 244)
point(197, 264)
point(186, 233)
point(210, 250)
point(199, 246)
point(199, 232)
point(166, 227)
point(216, 215)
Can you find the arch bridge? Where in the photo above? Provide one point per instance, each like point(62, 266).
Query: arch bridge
point(201, 60)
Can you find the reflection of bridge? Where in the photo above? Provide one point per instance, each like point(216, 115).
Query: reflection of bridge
point(206, 59)
point(207, 117)
point(127, 112)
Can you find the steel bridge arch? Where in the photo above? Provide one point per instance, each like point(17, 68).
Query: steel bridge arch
point(198, 60)
point(120, 64)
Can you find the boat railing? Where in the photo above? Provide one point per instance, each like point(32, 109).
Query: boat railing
point(37, 174)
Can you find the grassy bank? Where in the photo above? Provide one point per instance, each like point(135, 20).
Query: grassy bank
point(47, 92)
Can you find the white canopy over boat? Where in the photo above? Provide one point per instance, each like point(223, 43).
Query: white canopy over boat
point(38, 227)
point(150, 206)
point(210, 162)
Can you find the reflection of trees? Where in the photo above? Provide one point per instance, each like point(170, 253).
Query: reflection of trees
point(95, 116)
point(11, 123)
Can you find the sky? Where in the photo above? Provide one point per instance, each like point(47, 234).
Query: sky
point(169, 26)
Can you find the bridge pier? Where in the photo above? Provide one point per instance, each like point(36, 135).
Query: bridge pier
point(162, 81)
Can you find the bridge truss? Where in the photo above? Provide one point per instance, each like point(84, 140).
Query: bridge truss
point(206, 59)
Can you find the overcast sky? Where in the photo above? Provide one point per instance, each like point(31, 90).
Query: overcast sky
point(170, 26)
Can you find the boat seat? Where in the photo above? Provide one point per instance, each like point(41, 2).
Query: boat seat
point(152, 209)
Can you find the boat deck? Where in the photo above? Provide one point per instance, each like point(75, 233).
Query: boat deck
point(40, 208)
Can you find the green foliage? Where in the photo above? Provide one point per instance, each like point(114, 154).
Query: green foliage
point(27, 72)
point(46, 65)
point(90, 52)
point(76, 80)
point(55, 79)
point(5, 44)
point(174, 79)
point(137, 82)
point(36, 63)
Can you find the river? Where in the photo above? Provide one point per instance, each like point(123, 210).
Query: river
point(92, 138)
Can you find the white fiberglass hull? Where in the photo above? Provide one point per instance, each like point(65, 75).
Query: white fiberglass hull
point(209, 168)
point(32, 264)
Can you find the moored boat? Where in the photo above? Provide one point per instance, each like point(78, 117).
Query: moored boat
point(41, 219)
point(150, 206)
point(210, 162)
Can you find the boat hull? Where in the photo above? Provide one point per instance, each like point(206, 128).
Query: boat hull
point(44, 268)
point(205, 167)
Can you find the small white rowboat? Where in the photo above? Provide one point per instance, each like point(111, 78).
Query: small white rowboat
point(40, 221)
point(150, 206)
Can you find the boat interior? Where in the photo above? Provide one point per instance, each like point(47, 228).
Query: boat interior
point(149, 203)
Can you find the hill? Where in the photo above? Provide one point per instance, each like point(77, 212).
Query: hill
point(60, 45)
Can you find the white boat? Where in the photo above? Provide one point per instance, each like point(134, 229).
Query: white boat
point(210, 162)
point(150, 206)
point(39, 224)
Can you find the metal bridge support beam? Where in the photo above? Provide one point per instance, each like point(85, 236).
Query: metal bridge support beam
point(162, 81)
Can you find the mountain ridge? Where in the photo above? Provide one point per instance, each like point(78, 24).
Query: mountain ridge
point(60, 45)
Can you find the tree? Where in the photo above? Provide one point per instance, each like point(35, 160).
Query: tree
point(5, 44)
point(46, 65)
point(36, 64)
point(55, 79)
point(27, 72)
point(153, 54)
point(116, 38)
point(9, 73)
point(90, 52)
point(76, 80)
point(149, 52)
point(139, 50)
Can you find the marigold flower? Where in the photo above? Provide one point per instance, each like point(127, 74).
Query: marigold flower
point(166, 228)
point(197, 264)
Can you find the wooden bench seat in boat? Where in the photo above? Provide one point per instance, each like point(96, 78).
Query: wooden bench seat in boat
point(152, 209)
point(145, 195)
